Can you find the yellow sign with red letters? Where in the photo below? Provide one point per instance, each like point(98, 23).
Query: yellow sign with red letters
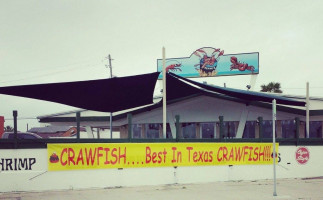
point(131, 155)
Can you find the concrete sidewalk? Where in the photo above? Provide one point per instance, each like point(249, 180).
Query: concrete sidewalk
point(311, 188)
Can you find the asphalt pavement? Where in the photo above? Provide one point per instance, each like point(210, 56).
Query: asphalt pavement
point(300, 189)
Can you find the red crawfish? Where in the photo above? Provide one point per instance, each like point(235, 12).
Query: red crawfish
point(240, 66)
point(173, 67)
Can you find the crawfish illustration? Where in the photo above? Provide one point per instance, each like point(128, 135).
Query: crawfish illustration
point(240, 66)
point(173, 67)
point(207, 63)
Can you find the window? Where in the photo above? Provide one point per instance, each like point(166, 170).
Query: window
point(249, 130)
point(315, 129)
point(208, 130)
point(136, 130)
point(288, 128)
point(168, 131)
point(230, 129)
point(152, 130)
point(267, 129)
point(189, 130)
point(11, 136)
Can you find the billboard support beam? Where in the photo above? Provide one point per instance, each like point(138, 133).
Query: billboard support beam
point(164, 95)
point(253, 79)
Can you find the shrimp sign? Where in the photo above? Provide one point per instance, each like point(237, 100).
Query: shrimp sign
point(136, 155)
point(211, 62)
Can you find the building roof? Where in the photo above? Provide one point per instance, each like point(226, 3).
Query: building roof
point(248, 96)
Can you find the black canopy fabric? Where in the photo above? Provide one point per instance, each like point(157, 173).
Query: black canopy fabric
point(105, 95)
point(116, 94)
point(248, 96)
point(176, 88)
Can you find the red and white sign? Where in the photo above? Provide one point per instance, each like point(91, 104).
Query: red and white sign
point(302, 155)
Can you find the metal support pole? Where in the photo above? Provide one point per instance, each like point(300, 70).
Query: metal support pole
point(129, 116)
point(307, 110)
point(177, 128)
point(253, 79)
point(15, 115)
point(274, 144)
point(164, 95)
point(110, 65)
point(297, 123)
point(260, 120)
point(98, 133)
point(111, 127)
point(78, 122)
point(221, 127)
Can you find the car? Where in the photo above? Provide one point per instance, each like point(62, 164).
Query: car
point(20, 135)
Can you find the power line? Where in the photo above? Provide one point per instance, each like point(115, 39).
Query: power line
point(50, 74)
point(51, 67)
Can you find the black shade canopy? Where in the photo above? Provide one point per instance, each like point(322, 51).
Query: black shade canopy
point(248, 96)
point(175, 88)
point(105, 95)
point(116, 94)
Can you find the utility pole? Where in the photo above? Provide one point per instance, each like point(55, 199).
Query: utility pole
point(110, 66)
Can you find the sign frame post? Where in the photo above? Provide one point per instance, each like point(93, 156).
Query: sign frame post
point(274, 144)
point(164, 95)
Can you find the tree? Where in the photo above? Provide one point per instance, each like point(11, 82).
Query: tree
point(271, 87)
point(8, 129)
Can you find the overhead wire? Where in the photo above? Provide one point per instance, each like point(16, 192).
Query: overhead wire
point(54, 73)
point(42, 69)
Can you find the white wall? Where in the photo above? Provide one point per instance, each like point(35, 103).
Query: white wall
point(207, 109)
point(39, 179)
point(197, 109)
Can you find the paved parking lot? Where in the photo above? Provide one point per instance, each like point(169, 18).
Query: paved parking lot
point(301, 189)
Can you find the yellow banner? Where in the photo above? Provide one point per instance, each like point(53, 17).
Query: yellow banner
point(130, 155)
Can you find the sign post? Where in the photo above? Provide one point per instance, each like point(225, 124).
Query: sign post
point(164, 95)
point(274, 144)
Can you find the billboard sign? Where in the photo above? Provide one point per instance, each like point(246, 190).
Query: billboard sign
point(211, 62)
point(143, 155)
